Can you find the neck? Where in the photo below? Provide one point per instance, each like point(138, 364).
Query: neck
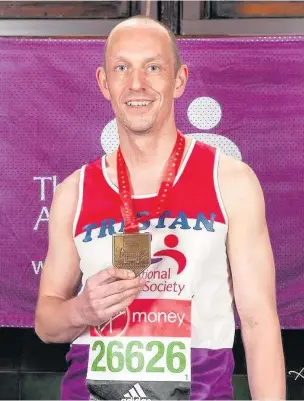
point(149, 149)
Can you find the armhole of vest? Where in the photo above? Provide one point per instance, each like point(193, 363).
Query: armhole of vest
point(80, 199)
point(217, 186)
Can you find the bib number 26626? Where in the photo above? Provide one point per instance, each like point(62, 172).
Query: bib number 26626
point(143, 358)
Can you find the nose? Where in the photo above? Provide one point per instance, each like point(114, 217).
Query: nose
point(137, 80)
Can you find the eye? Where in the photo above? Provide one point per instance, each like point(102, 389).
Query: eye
point(154, 68)
point(120, 68)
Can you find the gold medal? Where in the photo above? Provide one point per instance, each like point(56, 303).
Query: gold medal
point(132, 251)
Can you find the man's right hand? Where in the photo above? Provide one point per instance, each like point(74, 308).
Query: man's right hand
point(107, 293)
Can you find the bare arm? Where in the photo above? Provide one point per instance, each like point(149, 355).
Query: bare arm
point(253, 274)
point(61, 315)
point(56, 320)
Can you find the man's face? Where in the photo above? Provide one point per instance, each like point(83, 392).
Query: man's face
point(140, 77)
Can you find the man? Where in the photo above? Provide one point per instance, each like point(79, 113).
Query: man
point(167, 333)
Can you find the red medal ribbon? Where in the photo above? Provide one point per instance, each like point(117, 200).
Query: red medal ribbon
point(131, 222)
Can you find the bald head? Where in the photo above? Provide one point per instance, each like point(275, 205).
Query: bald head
point(140, 21)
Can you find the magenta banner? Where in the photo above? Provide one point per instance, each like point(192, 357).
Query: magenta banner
point(244, 95)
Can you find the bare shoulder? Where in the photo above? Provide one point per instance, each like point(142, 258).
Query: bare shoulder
point(66, 196)
point(235, 171)
point(239, 185)
point(69, 186)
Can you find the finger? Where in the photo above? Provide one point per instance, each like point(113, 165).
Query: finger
point(119, 307)
point(120, 286)
point(111, 274)
point(119, 298)
point(97, 293)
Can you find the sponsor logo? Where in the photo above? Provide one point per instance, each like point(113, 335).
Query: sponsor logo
point(158, 317)
point(136, 393)
point(162, 279)
point(116, 326)
point(171, 241)
point(148, 317)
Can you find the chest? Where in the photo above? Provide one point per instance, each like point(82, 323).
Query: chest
point(184, 250)
point(144, 181)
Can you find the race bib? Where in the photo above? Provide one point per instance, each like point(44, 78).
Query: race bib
point(143, 353)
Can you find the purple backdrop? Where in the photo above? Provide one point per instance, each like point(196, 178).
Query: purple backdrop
point(243, 95)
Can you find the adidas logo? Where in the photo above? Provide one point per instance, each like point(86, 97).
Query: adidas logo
point(136, 393)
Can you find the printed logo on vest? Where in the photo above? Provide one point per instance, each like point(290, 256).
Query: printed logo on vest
point(135, 393)
point(146, 316)
point(165, 277)
point(171, 241)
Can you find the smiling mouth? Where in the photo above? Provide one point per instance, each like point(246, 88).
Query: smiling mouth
point(139, 103)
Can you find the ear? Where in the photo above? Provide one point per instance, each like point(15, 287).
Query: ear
point(102, 82)
point(180, 81)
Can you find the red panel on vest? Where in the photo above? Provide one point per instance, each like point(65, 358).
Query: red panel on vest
point(193, 193)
